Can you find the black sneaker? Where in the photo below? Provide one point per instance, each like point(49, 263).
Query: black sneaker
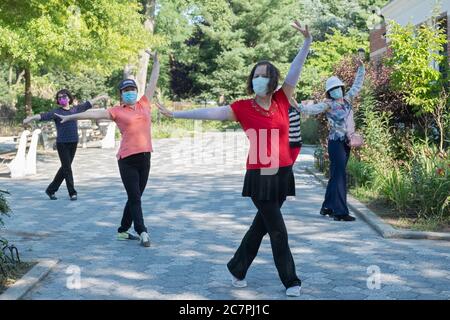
point(345, 217)
point(73, 197)
point(326, 211)
point(51, 195)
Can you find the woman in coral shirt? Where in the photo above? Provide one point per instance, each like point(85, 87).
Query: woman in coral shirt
point(133, 117)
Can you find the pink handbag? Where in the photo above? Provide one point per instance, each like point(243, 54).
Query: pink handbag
point(354, 139)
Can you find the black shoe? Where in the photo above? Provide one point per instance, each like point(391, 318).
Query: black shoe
point(51, 195)
point(326, 211)
point(345, 217)
point(73, 197)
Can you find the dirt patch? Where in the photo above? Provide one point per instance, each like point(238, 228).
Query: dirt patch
point(14, 274)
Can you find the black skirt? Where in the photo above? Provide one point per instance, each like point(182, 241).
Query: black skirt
point(269, 184)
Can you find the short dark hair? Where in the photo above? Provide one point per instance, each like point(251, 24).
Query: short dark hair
point(64, 91)
point(327, 94)
point(272, 73)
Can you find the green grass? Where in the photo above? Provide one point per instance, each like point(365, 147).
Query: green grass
point(402, 220)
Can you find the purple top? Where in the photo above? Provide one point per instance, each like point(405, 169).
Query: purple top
point(67, 131)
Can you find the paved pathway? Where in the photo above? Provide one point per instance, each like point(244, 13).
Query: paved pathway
point(196, 218)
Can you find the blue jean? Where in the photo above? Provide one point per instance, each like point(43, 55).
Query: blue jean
point(336, 195)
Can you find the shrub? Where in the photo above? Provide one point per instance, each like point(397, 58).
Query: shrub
point(395, 186)
point(430, 174)
point(361, 173)
point(376, 130)
point(4, 211)
point(39, 105)
point(309, 131)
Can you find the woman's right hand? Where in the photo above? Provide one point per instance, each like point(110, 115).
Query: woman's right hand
point(164, 110)
point(63, 118)
point(27, 120)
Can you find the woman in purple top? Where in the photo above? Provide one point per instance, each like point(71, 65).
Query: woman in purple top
point(66, 140)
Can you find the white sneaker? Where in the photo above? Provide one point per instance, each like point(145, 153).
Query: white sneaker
point(145, 239)
point(293, 291)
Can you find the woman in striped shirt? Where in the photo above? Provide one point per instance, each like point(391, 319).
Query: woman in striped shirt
point(295, 133)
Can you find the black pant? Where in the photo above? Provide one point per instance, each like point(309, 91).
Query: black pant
point(66, 152)
point(267, 220)
point(134, 171)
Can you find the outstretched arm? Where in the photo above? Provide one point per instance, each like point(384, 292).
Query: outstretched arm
point(297, 64)
point(151, 86)
point(312, 109)
point(96, 114)
point(358, 83)
point(221, 113)
point(31, 118)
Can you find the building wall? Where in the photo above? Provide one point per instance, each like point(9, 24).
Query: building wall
point(403, 12)
point(378, 43)
point(412, 11)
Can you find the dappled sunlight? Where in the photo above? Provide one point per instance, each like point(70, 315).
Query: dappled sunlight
point(196, 222)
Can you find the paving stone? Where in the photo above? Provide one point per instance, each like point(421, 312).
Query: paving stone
point(196, 220)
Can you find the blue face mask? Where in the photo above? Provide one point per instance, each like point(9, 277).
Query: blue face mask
point(336, 93)
point(260, 85)
point(129, 97)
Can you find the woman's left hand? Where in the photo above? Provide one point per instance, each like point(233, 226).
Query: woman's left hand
point(359, 62)
point(303, 30)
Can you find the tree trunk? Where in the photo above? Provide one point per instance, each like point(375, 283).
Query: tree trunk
point(28, 104)
point(149, 25)
point(10, 75)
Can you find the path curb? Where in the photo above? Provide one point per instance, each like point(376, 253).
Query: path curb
point(384, 229)
point(19, 289)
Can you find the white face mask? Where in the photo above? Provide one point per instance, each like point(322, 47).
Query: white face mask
point(260, 85)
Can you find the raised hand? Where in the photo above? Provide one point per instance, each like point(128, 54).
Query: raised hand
point(164, 110)
point(303, 30)
point(100, 97)
point(359, 61)
point(153, 55)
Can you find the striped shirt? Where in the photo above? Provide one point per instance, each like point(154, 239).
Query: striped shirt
point(295, 134)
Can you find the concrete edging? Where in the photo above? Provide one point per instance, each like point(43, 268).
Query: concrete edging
point(20, 288)
point(384, 229)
